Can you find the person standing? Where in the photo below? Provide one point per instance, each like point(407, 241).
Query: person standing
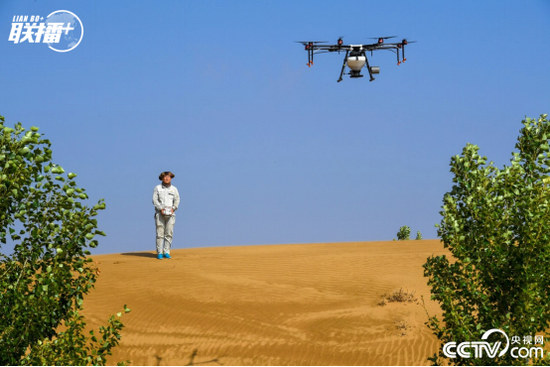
point(166, 199)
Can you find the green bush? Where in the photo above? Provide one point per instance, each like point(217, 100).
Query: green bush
point(404, 233)
point(44, 280)
point(496, 224)
point(418, 235)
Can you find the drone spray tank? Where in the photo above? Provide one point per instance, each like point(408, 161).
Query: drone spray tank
point(356, 61)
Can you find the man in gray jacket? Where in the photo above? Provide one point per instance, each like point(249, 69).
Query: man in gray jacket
point(166, 199)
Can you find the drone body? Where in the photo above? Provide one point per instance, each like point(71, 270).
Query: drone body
point(356, 55)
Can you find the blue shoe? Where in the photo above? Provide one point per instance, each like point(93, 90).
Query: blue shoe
point(167, 256)
point(159, 256)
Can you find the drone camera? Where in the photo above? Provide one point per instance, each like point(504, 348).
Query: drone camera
point(375, 69)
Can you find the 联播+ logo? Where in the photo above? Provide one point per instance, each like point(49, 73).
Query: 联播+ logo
point(62, 30)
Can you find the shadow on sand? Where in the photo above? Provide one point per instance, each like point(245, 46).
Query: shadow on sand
point(141, 254)
point(192, 360)
point(193, 363)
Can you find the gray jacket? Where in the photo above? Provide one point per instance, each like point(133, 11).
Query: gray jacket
point(166, 197)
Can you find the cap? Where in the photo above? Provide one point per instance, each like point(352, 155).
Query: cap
point(161, 176)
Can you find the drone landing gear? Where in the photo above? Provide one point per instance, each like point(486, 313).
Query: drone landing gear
point(310, 50)
point(310, 60)
point(343, 67)
point(369, 68)
point(401, 46)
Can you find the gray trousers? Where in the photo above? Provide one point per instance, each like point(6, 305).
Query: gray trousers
point(165, 232)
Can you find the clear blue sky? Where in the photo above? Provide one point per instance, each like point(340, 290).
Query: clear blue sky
point(266, 150)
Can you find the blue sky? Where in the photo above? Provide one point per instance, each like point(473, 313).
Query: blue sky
point(266, 150)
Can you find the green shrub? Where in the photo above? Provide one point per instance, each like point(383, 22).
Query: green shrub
point(496, 224)
point(44, 280)
point(404, 233)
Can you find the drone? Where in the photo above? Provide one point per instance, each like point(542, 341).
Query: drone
point(356, 55)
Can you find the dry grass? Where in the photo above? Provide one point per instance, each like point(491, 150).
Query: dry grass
point(398, 296)
point(402, 327)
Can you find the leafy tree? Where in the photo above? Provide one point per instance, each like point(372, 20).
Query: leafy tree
point(418, 235)
point(404, 233)
point(496, 223)
point(44, 280)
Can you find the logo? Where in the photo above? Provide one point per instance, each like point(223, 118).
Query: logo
point(492, 350)
point(62, 30)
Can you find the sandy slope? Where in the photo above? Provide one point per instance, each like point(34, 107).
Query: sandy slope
point(276, 305)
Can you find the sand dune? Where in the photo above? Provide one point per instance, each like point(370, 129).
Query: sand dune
point(307, 304)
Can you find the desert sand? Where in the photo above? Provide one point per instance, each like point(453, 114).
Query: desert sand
point(303, 304)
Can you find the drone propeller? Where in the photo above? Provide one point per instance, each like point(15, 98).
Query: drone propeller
point(306, 42)
point(310, 44)
point(381, 39)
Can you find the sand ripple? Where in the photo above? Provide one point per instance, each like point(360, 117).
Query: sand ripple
point(308, 304)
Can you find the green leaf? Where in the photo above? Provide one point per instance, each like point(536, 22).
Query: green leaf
point(58, 170)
